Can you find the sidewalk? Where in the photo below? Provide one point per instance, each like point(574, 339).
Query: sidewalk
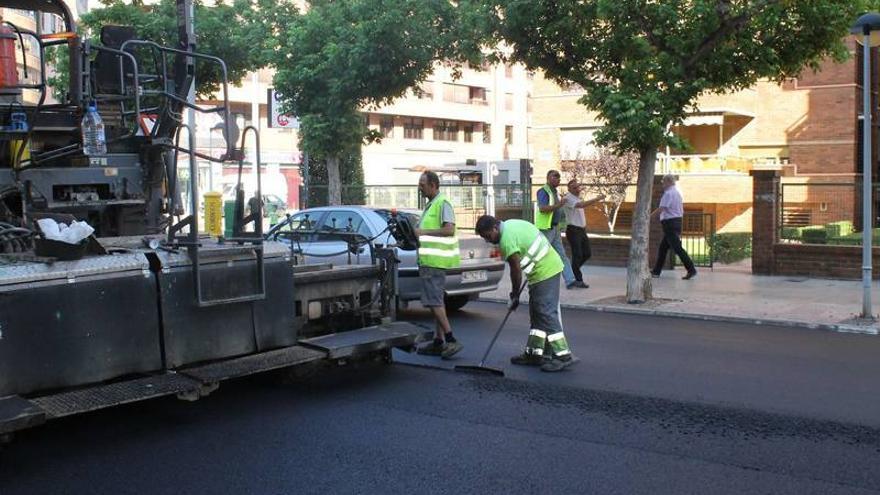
point(726, 294)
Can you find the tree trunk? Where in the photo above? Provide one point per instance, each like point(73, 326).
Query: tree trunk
point(638, 279)
point(614, 211)
point(334, 182)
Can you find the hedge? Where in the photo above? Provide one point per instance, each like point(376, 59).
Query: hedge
point(731, 247)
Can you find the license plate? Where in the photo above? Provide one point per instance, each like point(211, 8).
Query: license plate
point(474, 276)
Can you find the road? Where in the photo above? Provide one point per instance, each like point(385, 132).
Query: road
point(656, 406)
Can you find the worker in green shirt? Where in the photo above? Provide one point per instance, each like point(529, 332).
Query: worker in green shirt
point(529, 252)
point(438, 251)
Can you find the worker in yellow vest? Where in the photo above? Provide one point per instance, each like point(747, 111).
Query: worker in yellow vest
point(548, 218)
point(528, 252)
point(438, 252)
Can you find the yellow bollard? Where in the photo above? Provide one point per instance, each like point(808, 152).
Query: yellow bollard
point(214, 213)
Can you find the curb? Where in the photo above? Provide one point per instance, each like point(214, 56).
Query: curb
point(830, 327)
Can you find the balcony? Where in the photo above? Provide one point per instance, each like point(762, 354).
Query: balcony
point(704, 164)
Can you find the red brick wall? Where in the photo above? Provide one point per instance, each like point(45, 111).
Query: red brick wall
point(813, 260)
point(765, 191)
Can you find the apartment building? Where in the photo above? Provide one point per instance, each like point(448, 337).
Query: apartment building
point(453, 126)
point(447, 123)
point(808, 128)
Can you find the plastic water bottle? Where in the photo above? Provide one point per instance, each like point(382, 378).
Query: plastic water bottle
point(94, 142)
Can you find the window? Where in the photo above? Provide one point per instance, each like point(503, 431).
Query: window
point(456, 93)
point(487, 133)
point(424, 91)
point(508, 101)
point(445, 130)
point(298, 228)
point(386, 126)
point(337, 222)
point(469, 133)
point(478, 96)
point(508, 134)
point(413, 128)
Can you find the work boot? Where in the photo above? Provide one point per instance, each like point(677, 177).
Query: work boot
point(432, 348)
point(450, 349)
point(527, 360)
point(559, 363)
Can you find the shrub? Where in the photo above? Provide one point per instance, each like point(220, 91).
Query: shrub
point(793, 233)
point(815, 235)
point(839, 229)
point(731, 247)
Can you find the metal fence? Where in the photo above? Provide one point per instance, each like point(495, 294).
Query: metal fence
point(470, 200)
point(698, 232)
point(512, 201)
point(822, 213)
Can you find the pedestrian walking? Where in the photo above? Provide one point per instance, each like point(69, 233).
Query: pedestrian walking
point(527, 252)
point(547, 219)
point(671, 211)
point(438, 251)
point(576, 229)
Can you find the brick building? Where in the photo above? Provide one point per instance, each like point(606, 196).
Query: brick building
point(808, 128)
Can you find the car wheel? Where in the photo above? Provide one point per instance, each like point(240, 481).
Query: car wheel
point(455, 303)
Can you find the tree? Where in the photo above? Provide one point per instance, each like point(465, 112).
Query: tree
point(343, 55)
point(644, 63)
point(351, 174)
point(609, 174)
point(227, 31)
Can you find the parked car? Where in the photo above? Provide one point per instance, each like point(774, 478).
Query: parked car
point(315, 232)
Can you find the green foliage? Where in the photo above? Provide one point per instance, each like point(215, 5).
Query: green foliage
point(814, 236)
point(643, 63)
point(839, 229)
point(231, 32)
point(343, 55)
point(731, 247)
point(352, 173)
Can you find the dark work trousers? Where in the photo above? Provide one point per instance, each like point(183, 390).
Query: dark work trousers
point(672, 239)
point(580, 249)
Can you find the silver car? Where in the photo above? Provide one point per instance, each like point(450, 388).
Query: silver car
point(315, 233)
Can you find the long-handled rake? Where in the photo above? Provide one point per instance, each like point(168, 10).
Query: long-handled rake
point(481, 368)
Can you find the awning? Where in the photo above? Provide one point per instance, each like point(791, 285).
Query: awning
point(703, 119)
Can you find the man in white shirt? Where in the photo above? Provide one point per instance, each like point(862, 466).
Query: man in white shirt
point(671, 211)
point(576, 231)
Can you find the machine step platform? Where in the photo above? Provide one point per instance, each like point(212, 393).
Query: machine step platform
point(17, 413)
point(369, 339)
point(114, 394)
point(256, 363)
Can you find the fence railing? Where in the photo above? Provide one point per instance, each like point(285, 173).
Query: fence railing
point(696, 238)
point(823, 213)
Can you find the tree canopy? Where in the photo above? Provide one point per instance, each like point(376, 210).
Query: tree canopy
point(225, 30)
point(343, 55)
point(644, 63)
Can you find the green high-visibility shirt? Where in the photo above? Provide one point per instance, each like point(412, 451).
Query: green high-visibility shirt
point(437, 251)
point(537, 258)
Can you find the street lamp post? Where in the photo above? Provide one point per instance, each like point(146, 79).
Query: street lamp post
point(868, 26)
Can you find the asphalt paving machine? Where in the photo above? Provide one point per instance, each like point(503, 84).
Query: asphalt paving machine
point(148, 306)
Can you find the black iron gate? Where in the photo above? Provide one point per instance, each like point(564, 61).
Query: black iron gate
point(698, 231)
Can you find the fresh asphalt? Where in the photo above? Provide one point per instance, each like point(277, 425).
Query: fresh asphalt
point(655, 406)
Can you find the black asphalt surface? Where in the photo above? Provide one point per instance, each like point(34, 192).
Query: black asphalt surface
point(656, 406)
